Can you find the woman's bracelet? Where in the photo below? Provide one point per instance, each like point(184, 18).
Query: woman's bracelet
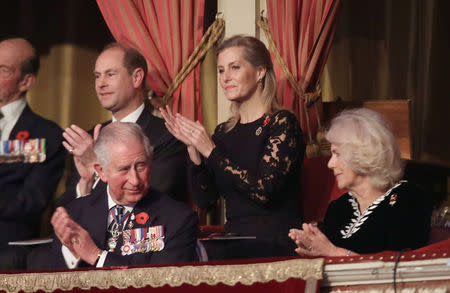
point(348, 253)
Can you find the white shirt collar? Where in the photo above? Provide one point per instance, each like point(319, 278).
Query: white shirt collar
point(111, 202)
point(13, 109)
point(11, 113)
point(133, 116)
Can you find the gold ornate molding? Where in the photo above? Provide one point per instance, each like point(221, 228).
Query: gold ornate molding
point(246, 274)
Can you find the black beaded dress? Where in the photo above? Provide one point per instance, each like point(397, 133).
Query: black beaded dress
point(255, 167)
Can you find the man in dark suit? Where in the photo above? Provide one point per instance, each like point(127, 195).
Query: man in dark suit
point(25, 187)
point(150, 228)
point(120, 74)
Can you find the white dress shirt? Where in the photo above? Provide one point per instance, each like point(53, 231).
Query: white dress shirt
point(133, 116)
point(11, 113)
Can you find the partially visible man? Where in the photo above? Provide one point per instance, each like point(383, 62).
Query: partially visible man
point(25, 185)
point(126, 222)
point(120, 74)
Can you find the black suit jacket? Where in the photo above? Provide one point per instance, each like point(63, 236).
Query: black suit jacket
point(168, 174)
point(179, 223)
point(26, 188)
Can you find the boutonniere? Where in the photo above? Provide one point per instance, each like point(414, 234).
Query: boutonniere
point(266, 121)
point(393, 199)
point(22, 135)
point(142, 218)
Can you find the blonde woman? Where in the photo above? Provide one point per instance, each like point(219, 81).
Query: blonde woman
point(253, 160)
point(380, 211)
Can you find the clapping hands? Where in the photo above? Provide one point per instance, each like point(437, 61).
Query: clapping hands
point(312, 242)
point(74, 237)
point(191, 133)
point(80, 144)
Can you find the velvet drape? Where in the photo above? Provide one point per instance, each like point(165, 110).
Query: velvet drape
point(302, 31)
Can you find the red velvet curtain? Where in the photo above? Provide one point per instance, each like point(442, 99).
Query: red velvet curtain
point(302, 31)
point(166, 32)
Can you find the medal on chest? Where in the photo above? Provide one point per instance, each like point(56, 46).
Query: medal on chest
point(143, 240)
point(116, 229)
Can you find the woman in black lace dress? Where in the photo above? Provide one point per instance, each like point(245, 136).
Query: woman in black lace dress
point(253, 160)
point(380, 212)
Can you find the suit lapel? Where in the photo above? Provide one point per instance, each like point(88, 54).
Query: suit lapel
point(98, 217)
point(144, 119)
point(25, 122)
point(148, 206)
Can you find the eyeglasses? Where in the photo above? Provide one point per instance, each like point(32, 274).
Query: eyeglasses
point(6, 72)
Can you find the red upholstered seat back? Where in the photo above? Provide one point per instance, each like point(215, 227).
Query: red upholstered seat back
point(318, 188)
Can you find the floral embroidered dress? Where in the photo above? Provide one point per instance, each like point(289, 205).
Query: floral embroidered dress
point(397, 220)
point(255, 167)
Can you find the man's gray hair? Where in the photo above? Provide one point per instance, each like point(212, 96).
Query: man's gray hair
point(119, 133)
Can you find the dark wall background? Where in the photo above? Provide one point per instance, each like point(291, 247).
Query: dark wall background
point(51, 22)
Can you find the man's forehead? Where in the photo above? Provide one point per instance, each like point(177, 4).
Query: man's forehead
point(134, 151)
point(109, 61)
point(113, 54)
point(10, 55)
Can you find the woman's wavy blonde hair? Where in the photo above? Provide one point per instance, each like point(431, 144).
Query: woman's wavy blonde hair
point(256, 53)
point(367, 146)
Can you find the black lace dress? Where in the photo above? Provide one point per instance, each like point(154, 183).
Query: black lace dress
point(255, 167)
point(397, 220)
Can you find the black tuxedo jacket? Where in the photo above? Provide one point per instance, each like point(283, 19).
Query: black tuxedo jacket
point(179, 222)
point(168, 174)
point(26, 188)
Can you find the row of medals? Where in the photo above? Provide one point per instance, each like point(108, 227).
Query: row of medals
point(142, 246)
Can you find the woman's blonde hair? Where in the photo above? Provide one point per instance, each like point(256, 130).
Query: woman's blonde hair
point(367, 146)
point(256, 53)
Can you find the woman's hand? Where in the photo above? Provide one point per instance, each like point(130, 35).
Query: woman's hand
point(191, 133)
point(173, 127)
point(312, 242)
point(196, 134)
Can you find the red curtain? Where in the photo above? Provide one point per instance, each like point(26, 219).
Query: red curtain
point(166, 32)
point(302, 31)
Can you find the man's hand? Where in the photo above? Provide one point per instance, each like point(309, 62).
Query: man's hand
point(61, 222)
point(81, 145)
point(74, 237)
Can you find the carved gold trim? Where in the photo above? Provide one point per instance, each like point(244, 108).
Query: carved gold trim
point(246, 274)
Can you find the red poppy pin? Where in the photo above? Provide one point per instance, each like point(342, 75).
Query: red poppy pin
point(22, 135)
point(266, 121)
point(142, 218)
point(393, 199)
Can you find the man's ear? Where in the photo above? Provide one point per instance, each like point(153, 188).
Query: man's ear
point(100, 171)
point(138, 77)
point(27, 82)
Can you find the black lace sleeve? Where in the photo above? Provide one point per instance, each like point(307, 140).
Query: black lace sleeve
point(283, 152)
point(202, 181)
point(202, 186)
